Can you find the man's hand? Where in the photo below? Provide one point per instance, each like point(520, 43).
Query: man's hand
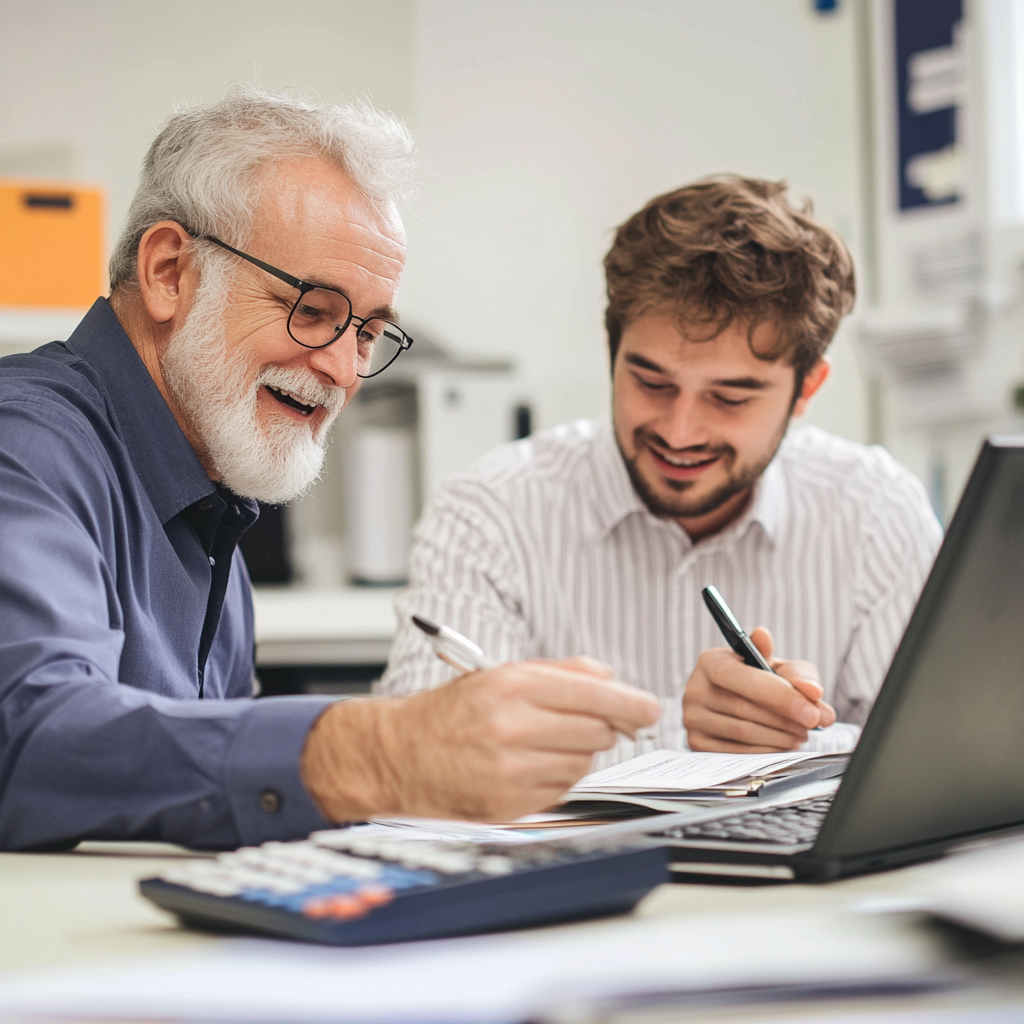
point(489, 746)
point(730, 707)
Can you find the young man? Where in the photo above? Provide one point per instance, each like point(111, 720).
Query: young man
point(130, 456)
point(595, 538)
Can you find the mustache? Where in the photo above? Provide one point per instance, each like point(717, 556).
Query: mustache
point(304, 385)
point(643, 435)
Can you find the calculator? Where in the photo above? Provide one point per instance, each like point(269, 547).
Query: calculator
point(341, 888)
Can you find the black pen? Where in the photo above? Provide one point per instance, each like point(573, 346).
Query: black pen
point(735, 634)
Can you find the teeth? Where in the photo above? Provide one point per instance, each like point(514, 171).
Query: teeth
point(293, 396)
point(684, 463)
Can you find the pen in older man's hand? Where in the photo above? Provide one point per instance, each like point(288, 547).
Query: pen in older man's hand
point(464, 656)
point(461, 653)
point(736, 635)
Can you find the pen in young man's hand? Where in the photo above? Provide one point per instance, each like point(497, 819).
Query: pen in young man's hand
point(735, 635)
point(465, 656)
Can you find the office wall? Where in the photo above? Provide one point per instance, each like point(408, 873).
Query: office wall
point(85, 85)
point(544, 124)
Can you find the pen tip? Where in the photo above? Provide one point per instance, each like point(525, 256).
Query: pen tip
point(426, 625)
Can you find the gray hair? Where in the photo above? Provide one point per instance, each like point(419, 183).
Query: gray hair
point(203, 169)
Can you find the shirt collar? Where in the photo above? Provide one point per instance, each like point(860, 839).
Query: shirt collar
point(165, 462)
point(615, 497)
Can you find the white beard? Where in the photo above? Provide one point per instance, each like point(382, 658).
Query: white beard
point(276, 461)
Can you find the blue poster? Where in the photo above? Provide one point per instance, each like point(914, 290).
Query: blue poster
point(929, 83)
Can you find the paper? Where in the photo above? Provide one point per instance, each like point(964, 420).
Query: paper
point(483, 979)
point(667, 771)
point(438, 830)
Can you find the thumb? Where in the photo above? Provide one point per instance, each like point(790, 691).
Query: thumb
point(763, 641)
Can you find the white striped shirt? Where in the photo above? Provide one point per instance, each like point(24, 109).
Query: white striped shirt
point(544, 549)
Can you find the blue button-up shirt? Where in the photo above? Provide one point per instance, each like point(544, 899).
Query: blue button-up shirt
point(123, 600)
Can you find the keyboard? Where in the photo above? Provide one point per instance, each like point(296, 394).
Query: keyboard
point(786, 825)
point(340, 888)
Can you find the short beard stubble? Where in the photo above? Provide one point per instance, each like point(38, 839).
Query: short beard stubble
point(738, 479)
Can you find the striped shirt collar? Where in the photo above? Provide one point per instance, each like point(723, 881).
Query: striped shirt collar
point(614, 497)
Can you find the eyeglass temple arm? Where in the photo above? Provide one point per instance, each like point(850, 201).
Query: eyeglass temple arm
point(295, 282)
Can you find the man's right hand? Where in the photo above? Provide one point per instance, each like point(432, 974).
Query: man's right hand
point(733, 708)
point(488, 746)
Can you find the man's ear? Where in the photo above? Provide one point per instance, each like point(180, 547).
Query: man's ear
point(165, 270)
point(816, 376)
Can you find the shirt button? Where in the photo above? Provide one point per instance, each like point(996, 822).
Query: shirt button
point(213, 561)
point(205, 505)
point(270, 801)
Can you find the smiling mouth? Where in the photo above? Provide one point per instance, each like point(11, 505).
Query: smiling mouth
point(680, 462)
point(288, 399)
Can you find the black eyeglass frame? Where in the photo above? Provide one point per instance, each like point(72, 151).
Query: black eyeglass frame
point(304, 287)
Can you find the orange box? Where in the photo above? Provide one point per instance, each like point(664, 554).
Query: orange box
point(51, 244)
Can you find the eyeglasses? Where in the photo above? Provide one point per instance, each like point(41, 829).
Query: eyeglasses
point(322, 315)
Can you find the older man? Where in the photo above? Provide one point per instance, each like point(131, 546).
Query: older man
point(252, 288)
point(598, 537)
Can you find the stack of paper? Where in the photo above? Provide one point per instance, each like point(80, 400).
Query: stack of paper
point(659, 780)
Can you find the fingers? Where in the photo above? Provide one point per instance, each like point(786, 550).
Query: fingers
point(739, 732)
point(764, 642)
point(624, 708)
point(582, 663)
point(803, 675)
point(724, 703)
point(725, 670)
point(525, 727)
point(828, 714)
point(705, 743)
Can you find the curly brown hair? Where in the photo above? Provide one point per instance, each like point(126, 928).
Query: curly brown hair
point(727, 249)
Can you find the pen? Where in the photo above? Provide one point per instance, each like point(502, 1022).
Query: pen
point(735, 634)
point(464, 656)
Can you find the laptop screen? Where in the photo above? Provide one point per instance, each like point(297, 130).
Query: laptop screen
point(942, 753)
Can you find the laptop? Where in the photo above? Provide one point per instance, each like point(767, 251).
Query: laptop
point(940, 761)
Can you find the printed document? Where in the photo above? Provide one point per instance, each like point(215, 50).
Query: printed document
point(668, 771)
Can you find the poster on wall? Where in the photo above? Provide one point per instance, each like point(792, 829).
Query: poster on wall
point(930, 83)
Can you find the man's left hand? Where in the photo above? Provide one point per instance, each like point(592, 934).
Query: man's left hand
point(733, 708)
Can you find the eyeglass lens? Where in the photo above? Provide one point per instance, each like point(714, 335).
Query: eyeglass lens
point(320, 316)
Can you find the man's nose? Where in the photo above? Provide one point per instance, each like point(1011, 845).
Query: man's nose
point(684, 425)
point(339, 360)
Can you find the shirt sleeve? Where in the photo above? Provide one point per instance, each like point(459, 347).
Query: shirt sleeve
point(898, 541)
point(463, 573)
point(84, 754)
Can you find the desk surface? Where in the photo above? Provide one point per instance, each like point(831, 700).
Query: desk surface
point(67, 909)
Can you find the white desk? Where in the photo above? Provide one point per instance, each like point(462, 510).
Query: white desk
point(82, 908)
point(335, 626)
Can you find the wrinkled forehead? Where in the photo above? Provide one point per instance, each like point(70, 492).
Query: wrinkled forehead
point(311, 213)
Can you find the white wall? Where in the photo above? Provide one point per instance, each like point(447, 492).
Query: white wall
point(99, 77)
point(544, 124)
